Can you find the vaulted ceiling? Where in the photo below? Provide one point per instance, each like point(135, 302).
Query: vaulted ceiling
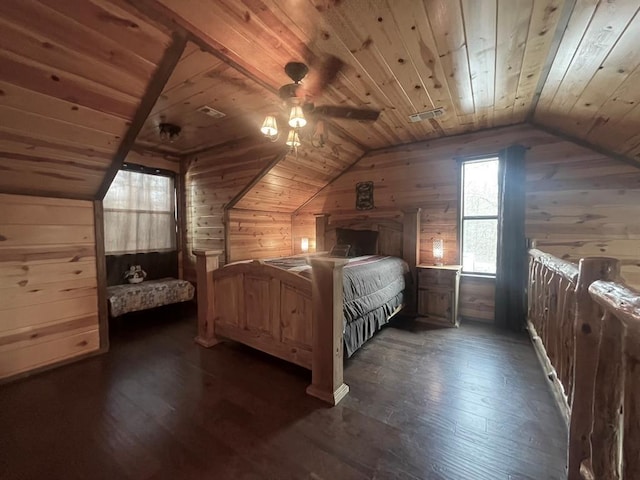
point(76, 76)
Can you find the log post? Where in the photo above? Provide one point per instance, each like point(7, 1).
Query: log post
point(327, 381)
point(411, 251)
point(587, 329)
point(631, 425)
point(206, 262)
point(631, 447)
point(607, 402)
point(322, 222)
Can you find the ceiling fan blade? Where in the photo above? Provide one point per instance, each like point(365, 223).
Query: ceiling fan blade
point(347, 113)
point(322, 75)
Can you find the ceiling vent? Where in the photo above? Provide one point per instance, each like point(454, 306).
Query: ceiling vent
point(212, 112)
point(419, 117)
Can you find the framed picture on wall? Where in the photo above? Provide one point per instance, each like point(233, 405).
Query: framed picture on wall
point(364, 196)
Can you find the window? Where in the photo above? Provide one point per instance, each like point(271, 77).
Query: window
point(139, 214)
point(479, 215)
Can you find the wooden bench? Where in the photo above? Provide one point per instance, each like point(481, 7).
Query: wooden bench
point(149, 294)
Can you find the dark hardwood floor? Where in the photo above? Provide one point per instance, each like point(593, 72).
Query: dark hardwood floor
point(468, 403)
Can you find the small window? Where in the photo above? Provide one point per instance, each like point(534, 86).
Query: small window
point(479, 215)
point(139, 214)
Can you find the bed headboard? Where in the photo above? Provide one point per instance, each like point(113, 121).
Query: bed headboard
point(398, 236)
point(372, 239)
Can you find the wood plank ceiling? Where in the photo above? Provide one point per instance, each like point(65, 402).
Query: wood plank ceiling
point(480, 61)
point(484, 61)
point(593, 88)
point(72, 74)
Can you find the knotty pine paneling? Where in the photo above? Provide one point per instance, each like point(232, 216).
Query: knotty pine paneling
point(480, 61)
point(300, 175)
point(256, 234)
point(579, 202)
point(72, 75)
point(592, 88)
point(212, 180)
point(202, 79)
point(48, 282)
point(303, 225)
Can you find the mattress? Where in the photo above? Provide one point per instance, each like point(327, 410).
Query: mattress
point(373, 289)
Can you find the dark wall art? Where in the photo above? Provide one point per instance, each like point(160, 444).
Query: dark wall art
point(364, 196)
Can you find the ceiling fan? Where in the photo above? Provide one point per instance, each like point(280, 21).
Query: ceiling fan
point(298, 98)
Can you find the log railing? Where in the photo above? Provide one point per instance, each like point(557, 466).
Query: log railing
point(586, 329)
point(552, 304)
point(615, 432)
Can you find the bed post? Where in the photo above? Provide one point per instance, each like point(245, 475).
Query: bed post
point(411, 249)
point(206, 263)
point(327, 381)
point(322, 221)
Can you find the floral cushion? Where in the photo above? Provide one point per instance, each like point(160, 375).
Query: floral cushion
point(150, 294)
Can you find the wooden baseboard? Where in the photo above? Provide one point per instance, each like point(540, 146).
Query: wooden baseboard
point(556, 387)
point(51, 366)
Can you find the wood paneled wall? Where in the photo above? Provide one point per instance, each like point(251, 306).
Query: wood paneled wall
point(579, 202)
point(303, 225)
point(257, 234)
point(48, 282)
point(477, 298)
point(300, 175)
point(212, 180)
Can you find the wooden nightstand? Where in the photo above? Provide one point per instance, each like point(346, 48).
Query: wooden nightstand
point(438, 288)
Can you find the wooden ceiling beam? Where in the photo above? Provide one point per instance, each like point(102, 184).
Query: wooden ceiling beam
point(154, 89)
point(346, 170)
point(234, 201)
point(166, 17)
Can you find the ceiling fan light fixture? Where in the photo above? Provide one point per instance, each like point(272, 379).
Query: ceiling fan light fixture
point(269, 127)
point(293, 140)
point(296, 118)
point(169, 132)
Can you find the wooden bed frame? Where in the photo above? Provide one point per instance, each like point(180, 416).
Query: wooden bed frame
point(285, 314)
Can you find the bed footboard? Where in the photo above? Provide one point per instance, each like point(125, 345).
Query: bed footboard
point(279, 313)
point(265, 307)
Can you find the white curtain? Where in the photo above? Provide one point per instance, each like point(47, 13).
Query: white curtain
point(139, 214)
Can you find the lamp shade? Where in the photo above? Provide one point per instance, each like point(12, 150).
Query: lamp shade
point(269, 126)
point(296, 119)
point(304, 244)
point(438, 251)
point(293, 140)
